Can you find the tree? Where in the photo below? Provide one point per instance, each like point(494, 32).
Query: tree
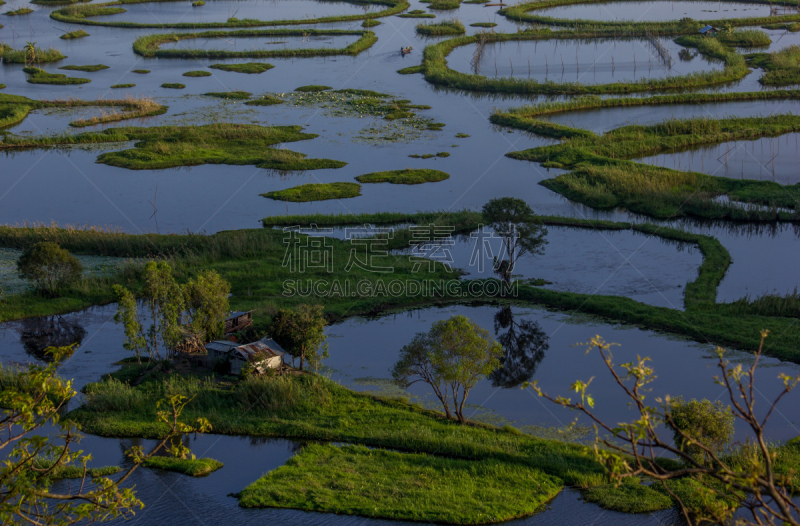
point(705, 421)
point(206, 301)
point(30, 53)
point(524, 346)
point(520, 228)
point(49, 267)
point(302, 333)
point(452, 357)
point(751, 477)
point(32, 398)
point(128, 315)
point(165, 299)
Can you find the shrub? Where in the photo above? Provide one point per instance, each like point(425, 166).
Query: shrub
point(707, 422)
point(49, 267)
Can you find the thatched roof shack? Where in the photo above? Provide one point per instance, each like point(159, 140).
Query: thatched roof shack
point(262, 355)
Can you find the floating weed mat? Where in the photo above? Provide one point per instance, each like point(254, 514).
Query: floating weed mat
point(397, 119)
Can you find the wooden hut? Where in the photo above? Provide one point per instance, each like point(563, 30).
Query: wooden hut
point(238, 320)
point(261, 355)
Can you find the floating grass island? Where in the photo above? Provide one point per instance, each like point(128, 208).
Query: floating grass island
point(444, 28)
point(312, 88)
point(173, 85)
point(483, 24)
point(149, 45)
point(72, 35)
point(140, 71)
point(20, 56)
point(781, 68)
point(117, 86)
point(370, 23)
point(40, 76)
point(172, 146)
point(88, 69)
point(194, 467)
point(19, 12)
point(229, 95)
point(247, 67)
point(434, 66)
point(265, 100)
point(197, 74)
point(316, 192)
point(407, 176)
point(84, 14)
point(417, 13)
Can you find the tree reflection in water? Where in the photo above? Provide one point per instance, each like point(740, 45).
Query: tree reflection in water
point(524, 345)
point(37, 334)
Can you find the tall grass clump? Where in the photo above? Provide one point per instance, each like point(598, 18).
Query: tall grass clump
point(21, 56)
point(445, 27)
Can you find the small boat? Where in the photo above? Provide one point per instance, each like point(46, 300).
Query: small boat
point(405, 50)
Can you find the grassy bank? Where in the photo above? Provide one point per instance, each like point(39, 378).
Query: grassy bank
point(72, 35)
point(172, 146)
point(434, 66)
point(781, 68)
point(194, 467)
point(315, 192)
point(603, 176)
point(84, 14)
point(526, 12)
point(444, 28)
point(148, 46)
point(402, 486)
point(407, 176)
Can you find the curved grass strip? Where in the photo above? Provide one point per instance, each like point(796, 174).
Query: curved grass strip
point(229, 95)
point(197, 74)
point(194, 467)
point(407, 176)
point(604, 177)
point(72, 35)
point(316, 192)
point(444, 28)
point(40, 76)
point(781, 68)
point(20, 56)
point(14, 109)
point(247, 67)
point(162, 147)
point(59, 2)
point(434, 67)
point(88, 69)
point(148, 45)
point(527, 117)
point(472, 492)
point(527, 13)
point(83, 14)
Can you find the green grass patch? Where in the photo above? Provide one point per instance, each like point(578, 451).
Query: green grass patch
point(355, 480)
point(14, 109)
point(264, 100)
point(370, 23)
point(194, 467)
point(745, 38)
point(84, 14)
point(90, 68)
point(149, 45)
point(781, 68)
point(444, 5)
point(172, 146)
point(483, 24)
point(20, 56)
point(58, 2)
point(407, 176)
point(198, 3)
point(40, 76)
point(316, 192)
point(197, 73)
point(311, 88)
point(19, 12)
point(463, 135)
point(72, 35)
point(444, 28)
point(140, 71)
point(411, 70)
point(173, 85)
point(229, 95)
point(247, 67)
point(118, 86)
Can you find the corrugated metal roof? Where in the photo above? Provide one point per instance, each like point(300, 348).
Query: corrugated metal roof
point(706, 29)
point(272, 344)
point(256, 351)
point(236, 314)
point(221, 346)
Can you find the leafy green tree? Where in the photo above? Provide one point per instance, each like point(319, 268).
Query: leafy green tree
point(165, 299)
point(301, 332)
point(520, 228)
point(49, 267)
point(206, 302)
point(32, 398)
point(452, 358)
point(706, 422)
point(128, 315)
point(30, 53)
